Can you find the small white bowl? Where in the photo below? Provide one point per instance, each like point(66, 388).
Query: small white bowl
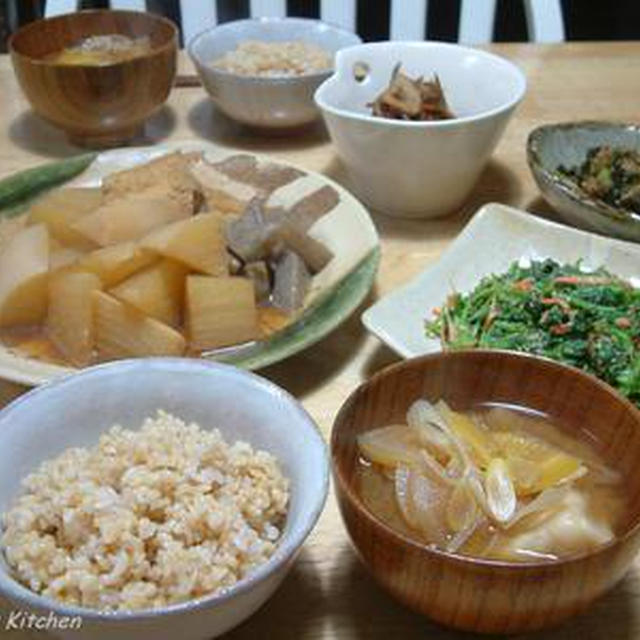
point(418, 169)
point(75, 410)
point(258, 101)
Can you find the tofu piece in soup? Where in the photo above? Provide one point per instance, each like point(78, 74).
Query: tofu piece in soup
point(69, 322)
point(220, 312)
point(24, 265)
point(124, 332)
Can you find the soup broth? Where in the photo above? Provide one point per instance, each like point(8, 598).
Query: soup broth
point(102, 50)
point(498, 483)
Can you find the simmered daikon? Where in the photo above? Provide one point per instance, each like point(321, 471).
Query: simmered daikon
point(495, 483)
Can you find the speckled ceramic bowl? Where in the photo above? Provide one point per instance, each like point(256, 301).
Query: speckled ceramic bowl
point(567, 144)
point(258, 101)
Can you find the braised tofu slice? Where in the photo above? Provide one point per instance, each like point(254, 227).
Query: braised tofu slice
point(170, 172)
point(220, 312)
point(123, 332)
point(222, 193)
point(130, 217)
point(117, 262)
point(60, 209)
point(69, 322)
point(157, 291)
point(24, 266)
point(198, 242)
point(291, 282)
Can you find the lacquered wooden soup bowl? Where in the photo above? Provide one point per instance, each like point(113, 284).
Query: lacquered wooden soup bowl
point(96, 105)
point(469, 593)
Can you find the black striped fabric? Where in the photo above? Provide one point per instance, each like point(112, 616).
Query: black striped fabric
point(619, 20)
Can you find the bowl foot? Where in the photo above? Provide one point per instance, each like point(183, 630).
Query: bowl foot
point(116, 138)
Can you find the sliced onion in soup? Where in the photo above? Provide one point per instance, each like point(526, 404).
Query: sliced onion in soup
point(501, 494)
point(391, 446)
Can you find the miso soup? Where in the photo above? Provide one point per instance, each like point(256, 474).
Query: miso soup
point(497, 483)
point(102, 50)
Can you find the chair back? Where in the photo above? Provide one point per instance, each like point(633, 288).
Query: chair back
point(408, 18)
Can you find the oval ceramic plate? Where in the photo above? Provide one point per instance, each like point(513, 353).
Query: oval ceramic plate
point(335, 293)
point(567, 144)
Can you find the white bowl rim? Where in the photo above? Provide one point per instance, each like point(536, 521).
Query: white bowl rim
point(284, 551)
point(264, 20)
point(436, 124)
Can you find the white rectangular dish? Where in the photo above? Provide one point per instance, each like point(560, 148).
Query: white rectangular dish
point(494, 238)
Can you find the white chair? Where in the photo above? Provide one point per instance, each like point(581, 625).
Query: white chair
point(408, 17)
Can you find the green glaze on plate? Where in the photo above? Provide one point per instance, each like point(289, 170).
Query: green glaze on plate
point(19, 189)
point(325, 314)
point(329, 307)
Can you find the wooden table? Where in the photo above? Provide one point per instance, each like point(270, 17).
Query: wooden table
point(328, 594)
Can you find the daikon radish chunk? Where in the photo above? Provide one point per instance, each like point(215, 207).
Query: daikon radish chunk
point(391, 446)
point(61, 257)
point(117, 262)
point(60, 209)
point(156, 291)
point(130, 218)
point(220, 312)
point(501, 495)
point(124, 332)
point(24, 264)
point(198, 242)
point(69, 323)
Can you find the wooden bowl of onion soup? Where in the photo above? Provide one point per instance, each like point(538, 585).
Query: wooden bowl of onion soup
point(489, 490)
point(96, 74)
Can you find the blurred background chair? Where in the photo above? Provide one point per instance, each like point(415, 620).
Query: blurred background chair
point(466, 21)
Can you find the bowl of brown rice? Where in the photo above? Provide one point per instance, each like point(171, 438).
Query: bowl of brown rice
point(263, 72)
point(154, 498)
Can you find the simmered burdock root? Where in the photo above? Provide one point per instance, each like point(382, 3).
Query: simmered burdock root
point(24, 264)
point(69, 323)
point(220, 312)
point(123, 332)
point(157, 291)
point(409, 99)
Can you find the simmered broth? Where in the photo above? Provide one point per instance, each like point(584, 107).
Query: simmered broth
point(498, 483)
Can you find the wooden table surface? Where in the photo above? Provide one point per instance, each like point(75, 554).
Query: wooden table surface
point(328, 594)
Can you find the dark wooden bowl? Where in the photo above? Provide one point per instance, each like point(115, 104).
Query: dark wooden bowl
point(95, 105)
point(468, 593)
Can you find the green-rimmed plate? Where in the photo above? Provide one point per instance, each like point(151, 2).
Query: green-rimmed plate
point(335, 292)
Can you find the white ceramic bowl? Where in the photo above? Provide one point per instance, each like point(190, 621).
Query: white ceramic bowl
point(278, 102)
point(418, 169)
point(75, 410)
